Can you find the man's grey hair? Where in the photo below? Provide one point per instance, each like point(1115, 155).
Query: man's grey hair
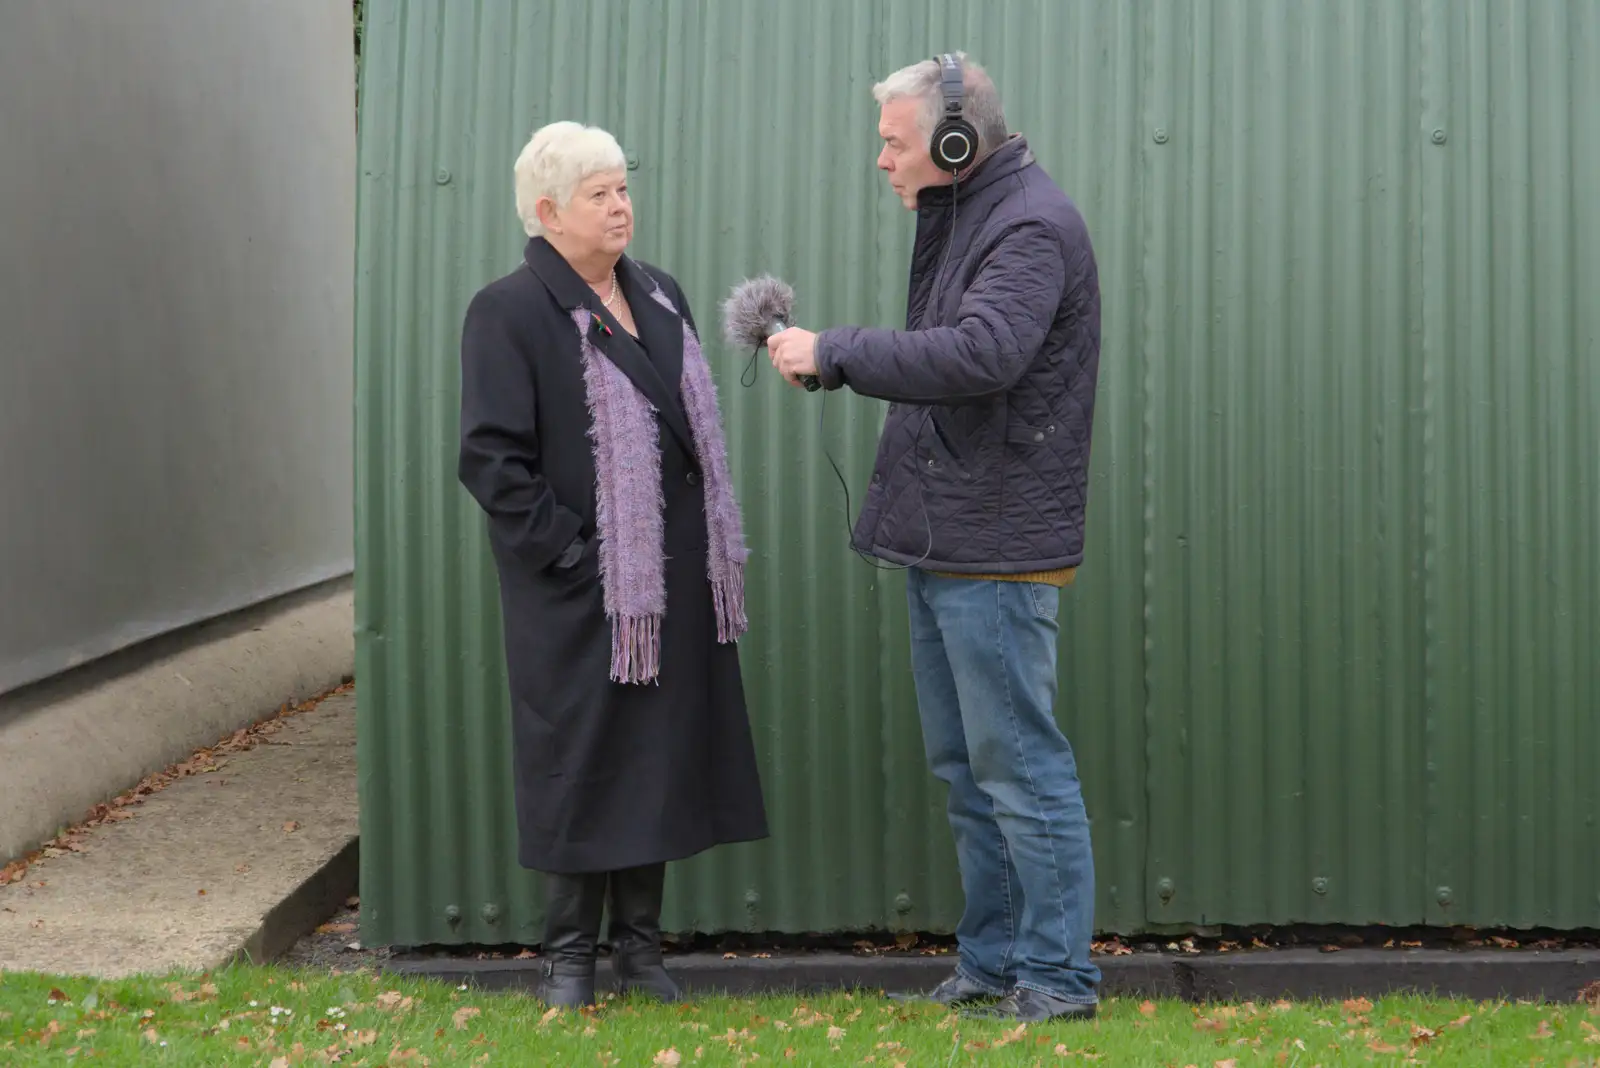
point(980, 100)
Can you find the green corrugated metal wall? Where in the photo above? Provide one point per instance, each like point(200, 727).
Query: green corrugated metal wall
point(1331, 656)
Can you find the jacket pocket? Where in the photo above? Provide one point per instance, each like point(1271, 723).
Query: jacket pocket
point(1029, 434)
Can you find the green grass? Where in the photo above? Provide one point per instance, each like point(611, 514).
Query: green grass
point(275, 1017)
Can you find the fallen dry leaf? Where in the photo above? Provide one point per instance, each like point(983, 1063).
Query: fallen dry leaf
point(393, 1001)
point(669, 1058)
point(1543, 1031)
point(1011, 1036)
point(151, 1036)
point(1359, 1006)
point(1590, 995)
point(291, 826)
point(1229, 1063)
point(463, 1014)
point(1147, 1008)
point(1421, 1035)
point(835, 1033)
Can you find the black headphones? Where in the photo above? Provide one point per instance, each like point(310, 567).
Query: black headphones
point(954, 144)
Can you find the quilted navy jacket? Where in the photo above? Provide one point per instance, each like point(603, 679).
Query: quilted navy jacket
point(983, 464)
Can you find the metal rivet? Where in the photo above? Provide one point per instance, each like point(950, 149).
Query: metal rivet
point(1445, 896)
point(1165, 889)
point(902, 903)
point(1438, 137)
point(633, 162)
point(751, 899)
point(1038, 435)
point(452, 914)
point(491, 913)
point(442, 176)
point(1320, 885)
point(1161, 137)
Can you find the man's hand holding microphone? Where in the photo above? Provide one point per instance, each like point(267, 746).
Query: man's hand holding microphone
point(794, 354)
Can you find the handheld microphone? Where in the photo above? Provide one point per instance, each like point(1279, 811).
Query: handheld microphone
point(755, 310)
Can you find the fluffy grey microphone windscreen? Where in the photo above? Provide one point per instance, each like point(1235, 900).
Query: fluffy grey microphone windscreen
point(755, 310)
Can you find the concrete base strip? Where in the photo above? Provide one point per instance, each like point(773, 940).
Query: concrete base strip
point(1555, 976)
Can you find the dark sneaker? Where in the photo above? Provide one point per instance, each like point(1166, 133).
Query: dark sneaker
point(1032, 1006)
point(956, 990)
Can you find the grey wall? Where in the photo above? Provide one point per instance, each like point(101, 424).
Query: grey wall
point(177, 204)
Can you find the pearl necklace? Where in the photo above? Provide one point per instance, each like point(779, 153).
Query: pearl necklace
point(615, 292)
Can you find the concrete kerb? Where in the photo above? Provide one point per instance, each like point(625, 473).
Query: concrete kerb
point(312, 902)
point(1261, 976)
point(71, 743)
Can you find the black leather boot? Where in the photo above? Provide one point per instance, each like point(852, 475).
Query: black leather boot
point(636, 933)
point(574, 905)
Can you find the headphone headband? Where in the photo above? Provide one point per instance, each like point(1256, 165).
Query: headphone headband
point(951, 84)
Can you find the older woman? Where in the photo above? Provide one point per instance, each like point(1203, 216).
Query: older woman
point(591, 438)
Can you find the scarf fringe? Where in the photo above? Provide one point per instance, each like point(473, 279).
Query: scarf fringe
point(728, 593)
point(636, 649)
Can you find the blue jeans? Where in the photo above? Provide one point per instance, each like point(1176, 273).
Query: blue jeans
point(983, 654)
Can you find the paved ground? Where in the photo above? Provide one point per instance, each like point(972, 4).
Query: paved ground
point(189, 875)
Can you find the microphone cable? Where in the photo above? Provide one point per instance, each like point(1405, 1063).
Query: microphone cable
point(822, 414)
point(748, 379)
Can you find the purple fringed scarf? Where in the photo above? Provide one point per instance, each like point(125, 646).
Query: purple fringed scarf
point(630, 504)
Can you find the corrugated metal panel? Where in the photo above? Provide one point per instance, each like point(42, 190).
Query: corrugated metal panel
point(1250, 640)
point(1284, 479)
point(1511, 410)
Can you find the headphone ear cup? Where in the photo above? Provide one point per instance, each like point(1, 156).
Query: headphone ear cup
point(954, 145)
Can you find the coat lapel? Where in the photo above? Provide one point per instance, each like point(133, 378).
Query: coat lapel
point(570, 291)
point(660, 331)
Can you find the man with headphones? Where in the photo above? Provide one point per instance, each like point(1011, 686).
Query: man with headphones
point(979, 493)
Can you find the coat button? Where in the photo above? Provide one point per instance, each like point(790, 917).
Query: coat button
point(1038, 435)
point(694, 479)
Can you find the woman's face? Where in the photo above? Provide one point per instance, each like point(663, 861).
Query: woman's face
point(600, 217)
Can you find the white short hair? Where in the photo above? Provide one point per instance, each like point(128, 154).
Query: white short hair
point(555, 161)
point(980, 100)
